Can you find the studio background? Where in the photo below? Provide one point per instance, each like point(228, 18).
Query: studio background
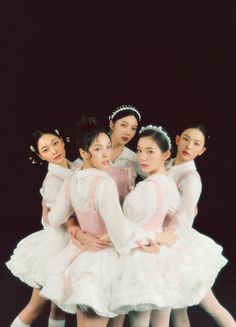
point(174, 61)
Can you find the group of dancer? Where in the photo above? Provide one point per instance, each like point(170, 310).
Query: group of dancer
point(109, 247)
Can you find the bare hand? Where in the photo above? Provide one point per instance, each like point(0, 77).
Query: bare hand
point(72, 230)
point(92, 243)
point(167, 238)
point(152, 247)
point(105, 237)
point(77, 243)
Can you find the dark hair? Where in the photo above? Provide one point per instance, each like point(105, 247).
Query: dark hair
point(198, 126)
point(87, 130)
point(36, 135)
point(160, 139)
point(124, 111)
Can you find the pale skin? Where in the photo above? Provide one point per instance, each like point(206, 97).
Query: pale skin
point(51, 148)
point(123, 130)
point(152, 161)
point(97, 156)
point(166, 238)
point(190, 145)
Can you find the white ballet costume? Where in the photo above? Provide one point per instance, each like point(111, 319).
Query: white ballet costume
point(82, 278)
point(128, 158)
point(176, 277)
point(34, 251)
point(189, 184)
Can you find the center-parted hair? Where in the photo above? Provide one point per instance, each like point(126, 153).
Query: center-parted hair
point(198, 126)
point(87, 131)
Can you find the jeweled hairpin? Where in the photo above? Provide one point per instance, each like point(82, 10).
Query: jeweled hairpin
point(32, 160)
point(158, 129)
point(32, 148)
point(122, 108)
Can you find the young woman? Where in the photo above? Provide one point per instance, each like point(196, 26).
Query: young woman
point(31, 254)
point(124, 121)
point(175, 276)
point(191, 144)
point(92, 195)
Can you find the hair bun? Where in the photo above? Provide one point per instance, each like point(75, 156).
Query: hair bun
point(91, 121)
point(86, 124)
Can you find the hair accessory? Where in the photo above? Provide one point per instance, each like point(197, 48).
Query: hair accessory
point(158, 129)
point(32, 160)
point(122, 108)
point(56, 131)
point(68, 139)
point(32, 148)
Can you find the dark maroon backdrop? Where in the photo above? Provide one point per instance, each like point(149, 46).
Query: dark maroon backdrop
point(174, 61)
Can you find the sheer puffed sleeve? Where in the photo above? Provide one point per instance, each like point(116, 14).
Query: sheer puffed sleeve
point(123, 233)
point(61, 209)
point(141, 203)
point(49, 189)
point(190, 190)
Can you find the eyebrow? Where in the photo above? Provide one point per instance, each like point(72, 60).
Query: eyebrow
point(149, 148)
point(190, 138)
point(99, 144)
point(124, 121)
point(46, 146)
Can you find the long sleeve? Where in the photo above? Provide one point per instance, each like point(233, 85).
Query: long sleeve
point(61, 209)
point(141, 203)
point(122, 232)
point(190, 190)
point(49, 190)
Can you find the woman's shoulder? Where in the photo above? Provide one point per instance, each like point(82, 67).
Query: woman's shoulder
point(77, 164)
point(129, 154)
point(91, 174)
point(162, 182)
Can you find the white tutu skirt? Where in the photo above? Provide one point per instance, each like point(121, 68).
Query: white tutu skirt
point(34, 252)
point(176, 277)
point(82, 279)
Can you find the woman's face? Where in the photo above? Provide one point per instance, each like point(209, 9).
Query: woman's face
point(52, 149)
point(124, 129)
point(150, 156)
point(190, 144)
point(99, 155)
